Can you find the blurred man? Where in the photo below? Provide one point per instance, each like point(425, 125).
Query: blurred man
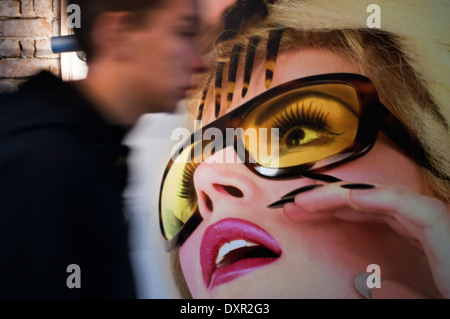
point(62, 164)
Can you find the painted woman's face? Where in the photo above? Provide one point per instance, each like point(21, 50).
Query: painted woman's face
point(311, 258)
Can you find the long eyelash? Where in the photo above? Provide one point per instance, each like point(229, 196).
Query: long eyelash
point(186, 189)
point(304, 115)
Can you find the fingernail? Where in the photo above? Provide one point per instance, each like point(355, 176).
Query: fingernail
point(321, 177)
point(289, 197)
point(280, 203)
point(358, 186)
point(301, 190)
point(360, 283)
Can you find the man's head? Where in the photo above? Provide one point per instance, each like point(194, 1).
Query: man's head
point(92, 9)
point(141, 52)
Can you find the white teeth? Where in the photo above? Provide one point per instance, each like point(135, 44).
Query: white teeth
point(235, 244)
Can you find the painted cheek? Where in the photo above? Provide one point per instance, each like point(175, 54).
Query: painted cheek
point(190, 262)
point(384, 164)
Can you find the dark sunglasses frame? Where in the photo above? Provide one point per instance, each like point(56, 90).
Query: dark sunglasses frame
point(374, 116)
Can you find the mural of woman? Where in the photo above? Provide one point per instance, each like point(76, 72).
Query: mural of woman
point(362, 172)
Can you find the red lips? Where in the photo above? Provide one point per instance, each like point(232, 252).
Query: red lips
point(234, 247)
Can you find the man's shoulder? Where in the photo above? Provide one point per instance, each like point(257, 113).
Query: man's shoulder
point(27, 109)
point(12, 104)
point(43, 100)
point(36, 122)
point(54, 147)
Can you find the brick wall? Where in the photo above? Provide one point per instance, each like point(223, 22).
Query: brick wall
point(26, 27)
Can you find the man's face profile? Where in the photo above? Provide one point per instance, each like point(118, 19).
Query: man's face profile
point(164, 57)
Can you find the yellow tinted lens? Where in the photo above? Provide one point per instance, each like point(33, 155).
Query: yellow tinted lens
point(311, 124)
point(178, 196)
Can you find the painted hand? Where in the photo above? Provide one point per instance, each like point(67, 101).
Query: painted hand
point(423, 221)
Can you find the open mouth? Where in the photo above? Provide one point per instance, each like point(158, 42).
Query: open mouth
point(240, 249)
point(234, 247)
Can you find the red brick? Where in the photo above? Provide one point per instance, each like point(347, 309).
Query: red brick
point(10, 8)
point(19, 68)
point(43, 8)
point(25, 28)
point(9, 48)
point(44, 49)
point(55, 67)
point(28, 48)
point(27, 8)
point(9, 86)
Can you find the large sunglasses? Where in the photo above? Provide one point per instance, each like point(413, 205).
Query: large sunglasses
point(319, 122)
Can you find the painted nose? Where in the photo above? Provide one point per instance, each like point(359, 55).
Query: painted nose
point(219, 183)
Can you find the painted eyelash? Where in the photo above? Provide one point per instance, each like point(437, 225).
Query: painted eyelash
point(186, 189)
point(297, 116)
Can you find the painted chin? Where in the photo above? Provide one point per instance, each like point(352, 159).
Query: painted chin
point(234, 247)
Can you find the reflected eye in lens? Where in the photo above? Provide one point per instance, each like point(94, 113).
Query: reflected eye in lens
point(300, 136)
point(186, 189)
point(301, 125)
point(314, 123)
point(178, 196)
